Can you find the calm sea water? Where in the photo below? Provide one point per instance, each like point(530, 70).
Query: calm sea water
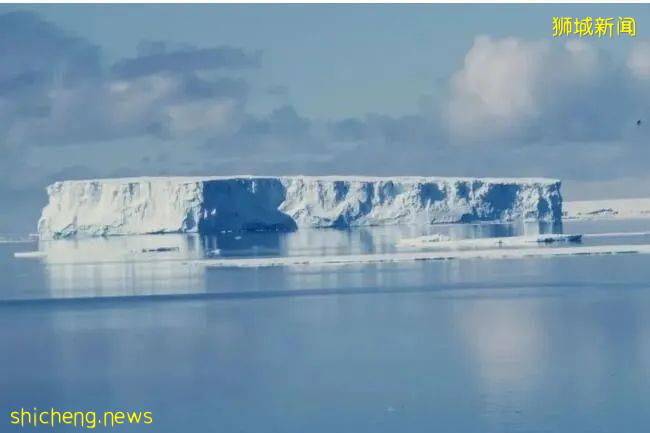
point(528, 345)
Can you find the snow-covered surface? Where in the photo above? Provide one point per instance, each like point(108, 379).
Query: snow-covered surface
point(443, 242)
point(212, 204)
point(30, 255)
point(366, 259)
point(603, 209)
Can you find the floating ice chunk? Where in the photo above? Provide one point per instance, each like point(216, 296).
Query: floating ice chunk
point(439, 241)
point(421, 241)
point(30, 254)
point(160, 249)
point(551, 238)
point(366, 259)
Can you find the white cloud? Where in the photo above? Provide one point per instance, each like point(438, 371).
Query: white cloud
point(498, 76)
point(527, 90)
point(496, 86)
point(638, 60)
point(111, 109)
point(215, 117)
point(56, 89)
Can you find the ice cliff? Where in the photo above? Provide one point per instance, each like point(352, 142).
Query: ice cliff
point(211, 204)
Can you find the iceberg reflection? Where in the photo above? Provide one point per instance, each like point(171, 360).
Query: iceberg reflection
point(123, 266)
point(147, 265)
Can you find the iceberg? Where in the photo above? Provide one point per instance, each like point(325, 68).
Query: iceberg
point(147, 205)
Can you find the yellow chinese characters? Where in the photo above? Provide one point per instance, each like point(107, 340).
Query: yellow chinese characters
point(561, 26)
point(584, 27)
point(626, 25)
point(566, 26)
point(603, 25)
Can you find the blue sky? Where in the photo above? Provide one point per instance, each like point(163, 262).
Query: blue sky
point(96, 90)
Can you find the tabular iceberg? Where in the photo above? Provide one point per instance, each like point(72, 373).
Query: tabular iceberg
point(212, 204)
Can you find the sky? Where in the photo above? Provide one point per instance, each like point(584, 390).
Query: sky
point(92, 91)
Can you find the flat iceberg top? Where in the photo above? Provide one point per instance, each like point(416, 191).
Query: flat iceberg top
point(325, 178)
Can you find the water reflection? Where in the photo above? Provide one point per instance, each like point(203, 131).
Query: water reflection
point(506, 342)
point(554, 345)
point(302, 242)
point(163, 264)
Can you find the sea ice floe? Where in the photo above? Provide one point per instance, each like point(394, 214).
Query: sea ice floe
point(606, 209)
point(438, 241)
point(366, 259)
point(30, 254)
point(615, 234)
point(160, 250)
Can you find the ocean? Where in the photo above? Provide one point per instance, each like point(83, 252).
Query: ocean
point(553, 344)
